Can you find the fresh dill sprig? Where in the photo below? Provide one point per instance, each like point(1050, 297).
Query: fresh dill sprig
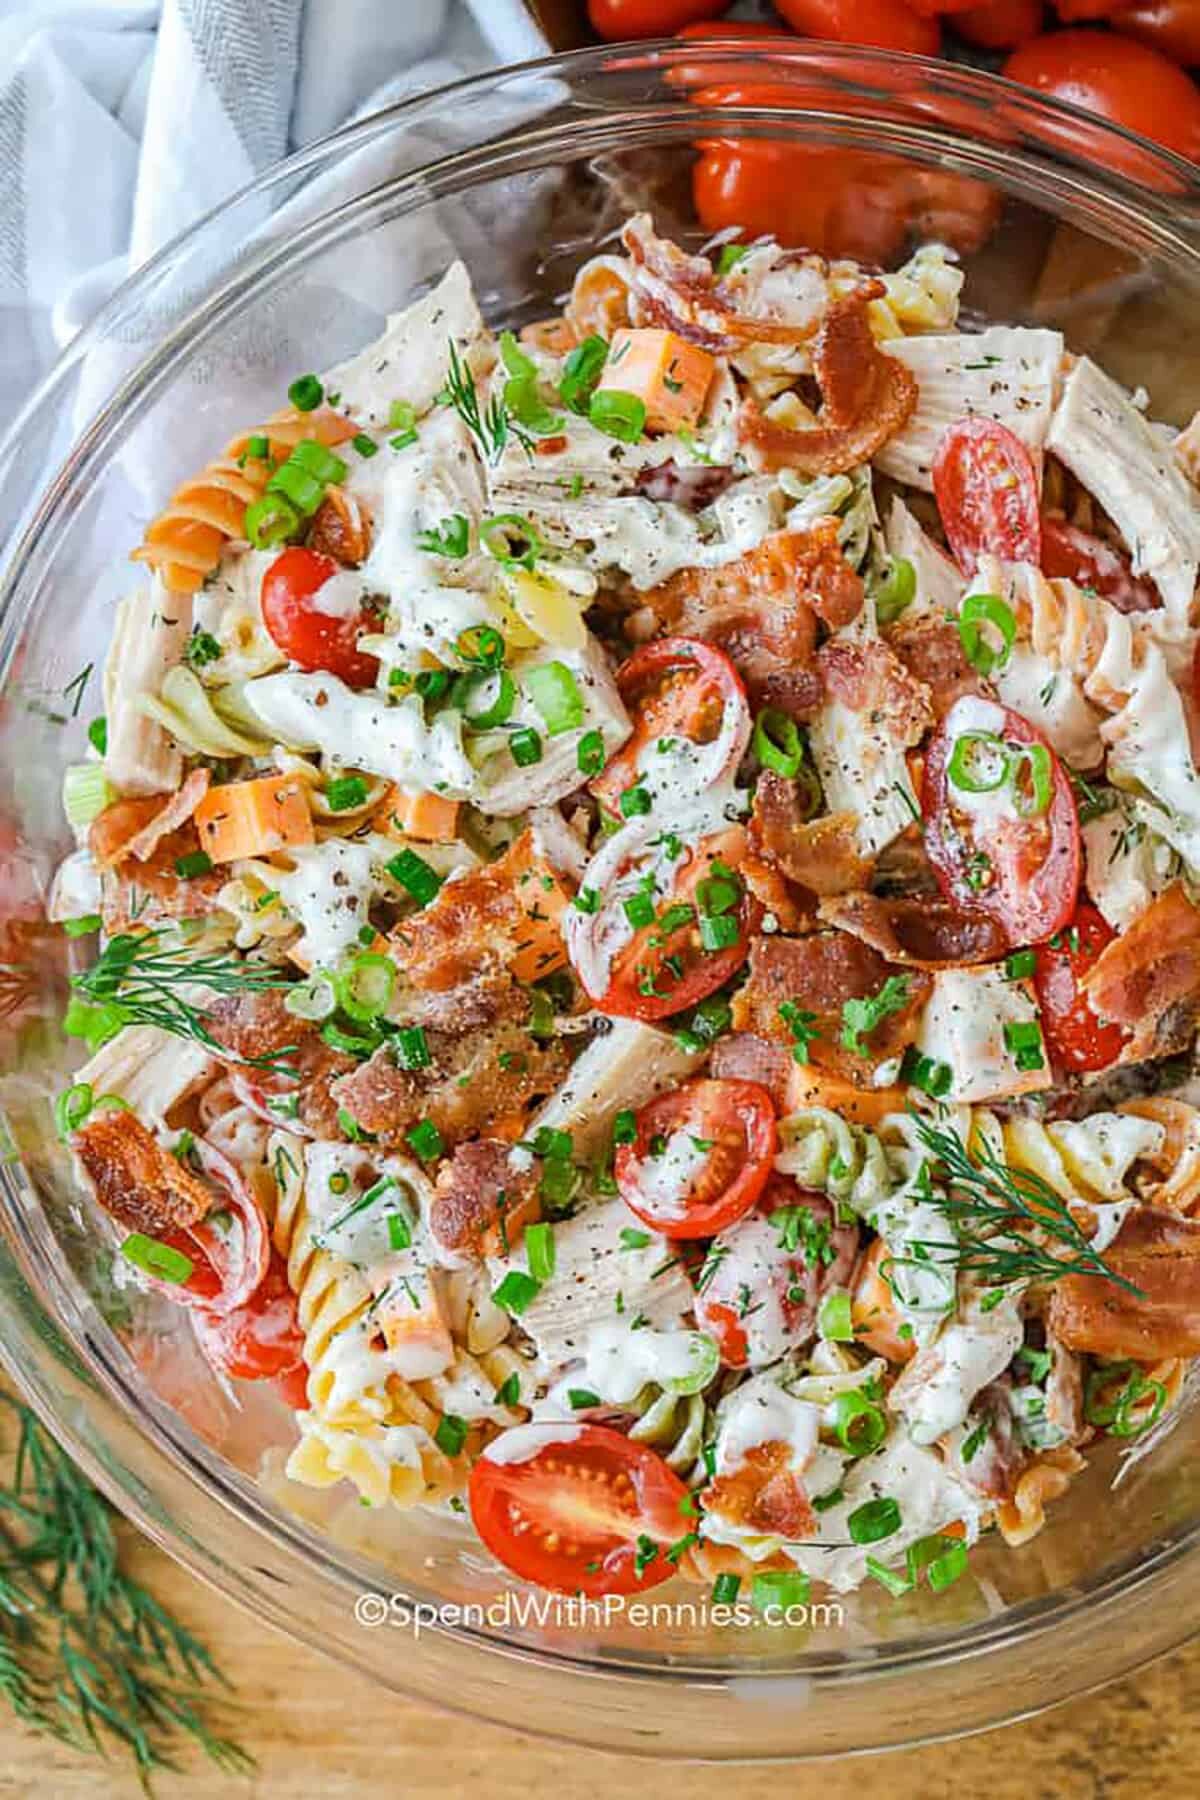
point(86, 1654)
point(491, 430)
point(141, 982)
point(1011, 1224)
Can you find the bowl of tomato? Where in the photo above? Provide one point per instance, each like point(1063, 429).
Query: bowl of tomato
point(841, 151)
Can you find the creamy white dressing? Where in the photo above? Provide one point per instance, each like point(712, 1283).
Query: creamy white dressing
point(364, 731)
point(963, 1025)
point(523, 1442)
point(665, 1182)
point(922, 1259)
point(751, 1278)
point(328, 890)
point(1053, 702)
point(621, 1359)
point(763, 1412)
point(936, 1392)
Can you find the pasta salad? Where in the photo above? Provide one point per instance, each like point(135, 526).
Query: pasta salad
point(637, 890)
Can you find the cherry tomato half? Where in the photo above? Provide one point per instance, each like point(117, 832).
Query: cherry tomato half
point(1117, 78)
point(1091, 562)
point(1172, 26)
point(675, 688)
point(883, 24)
point(1000, 24)
point(568, 1510)
point(260, 1339)
point(987, 494)
point(620, 20)
point(664, 969)
point(1077, 1040)
point(701, 1158)
point(306, 635)
point(1023, 870)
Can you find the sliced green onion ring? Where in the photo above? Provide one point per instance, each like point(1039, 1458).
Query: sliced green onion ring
point(365, 986)
point(502, 531)
point(469, 690)
point(313, 999)
point(270, 521)
point(858, 1424)
point(896, 590)
point(978, 610)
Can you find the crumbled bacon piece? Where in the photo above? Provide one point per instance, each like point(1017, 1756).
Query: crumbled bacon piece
point(763, 1495)
point(931, 650)
point(138, 1183)
point(1159, 1252)
point(694, 487)
point(483, 922)
point(867, 397)
point(920, 934)
point(682, 293)
point(258, 1026)
point(870, 678)
point(820, 854)
point(1148, 979)
point(342, 529)
point(136, 827)
point(987, 1454)
point(482, 1202)
point(145, 893)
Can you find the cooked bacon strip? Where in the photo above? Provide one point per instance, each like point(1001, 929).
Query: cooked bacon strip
point(136, 827)
point(342, 529)
point(145, 893)
point(138, 1183)
point(820, 854)
point(920, 934)
point(1157, 1250)
point(867, 397)
point(819, 974)
point(998, 1456)
point(692, 487)
point(931, 650)
point(683, 293)
point(762, 609)
point(257, 1026)
point(741, 1056)
point(763, 1495)
point(870, 678)
point(474, 1080)
point(478, 923)
point(482, 1203)
point(1148, 979)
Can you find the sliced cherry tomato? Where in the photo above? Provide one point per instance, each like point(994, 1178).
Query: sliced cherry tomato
point(987, 494)
point(1118, 79)
point(306, 635)
point(619, 20)
point(701, 1158)
point(1079, 1043)
point(259, 1340)
point(677, 688)
point(1000, 24)
point(883, 24)
point(662, 971)
point(1024, 871)
point(570, 1507)
point(759, 1288)
point(1091, 562)
point(1172, 26)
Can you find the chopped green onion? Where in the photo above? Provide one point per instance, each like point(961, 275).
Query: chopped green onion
point(451, 1433)
point(895, 591)
point(719, 933)
point(516, 1292)
point(85, 793)
point(1034, 801)
point(925, 1072)
point(258, 447)
point(481, 645)
point(1020, 965)
point(349, 1126)
point(412, 1048)
point(891, 1579)
point(555, 692)
point(496, 683)
point(730, 256)
point(526, 747)
point(875, 1520)
point(350, 1043)
point(159, 1260)
point(415, 875)
point(635, 800)
point(946, 1569)
point(578, 1398)
point(313, 999)
point(618, 414)
point(196, 862)
point(365, 445)
point(425, 1140)
point(509, 1391)
point(98, 735)
point(632, 1238)
point(777, 742)
point(72, 1107)
point(399, 1232)
point(590, 755)
point(979, 763)
point(306, 393)
point(94, 1024)
point(559, 1185)
point(581, 371)
point(858, 1426)
point(539, 1250)
point(624, 1128)
point(779, 1587)
point(346, 792)
point(725, 1589)
point(717, 894)
point(705, 1360)
point(1023, 1041)
point(431, 684)
point(84, 926)
point(834, 1322)
point(270, 521)
point(318, 461)
point(587, 900)
point(639, 910)
point(402, 416)
point(304, 492)
point(978, 610)
point(365, 986)
point(451, 539)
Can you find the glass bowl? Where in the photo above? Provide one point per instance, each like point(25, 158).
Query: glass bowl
point(1060, 220)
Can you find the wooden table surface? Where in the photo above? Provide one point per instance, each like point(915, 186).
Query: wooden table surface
point(320, 1731)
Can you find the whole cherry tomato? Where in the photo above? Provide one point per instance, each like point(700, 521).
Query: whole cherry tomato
point(885, 24)
point(1000, 24)
point(1172, 26)
point(1118, 79)
point(619, 20)
point(687, 1191)
point(1077, 1040)
point(304, 631)
point(839, 203)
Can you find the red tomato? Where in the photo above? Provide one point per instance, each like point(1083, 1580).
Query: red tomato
point(1025, 872)
point(736, 1120)
point(1126, 82)
point(662, 972)
point(1071, 12)
point(1000, 24)
point(569, 1514)
point(839, 203)
point(1077, 1040)
point(1172, 26)
point(306, 635)
point(259, 1340)
point(987, 494)
point(929, 9)
point(709, 34)
point(677, 687)
point(618, 20)
point(886, 24)
point(1091, 562)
